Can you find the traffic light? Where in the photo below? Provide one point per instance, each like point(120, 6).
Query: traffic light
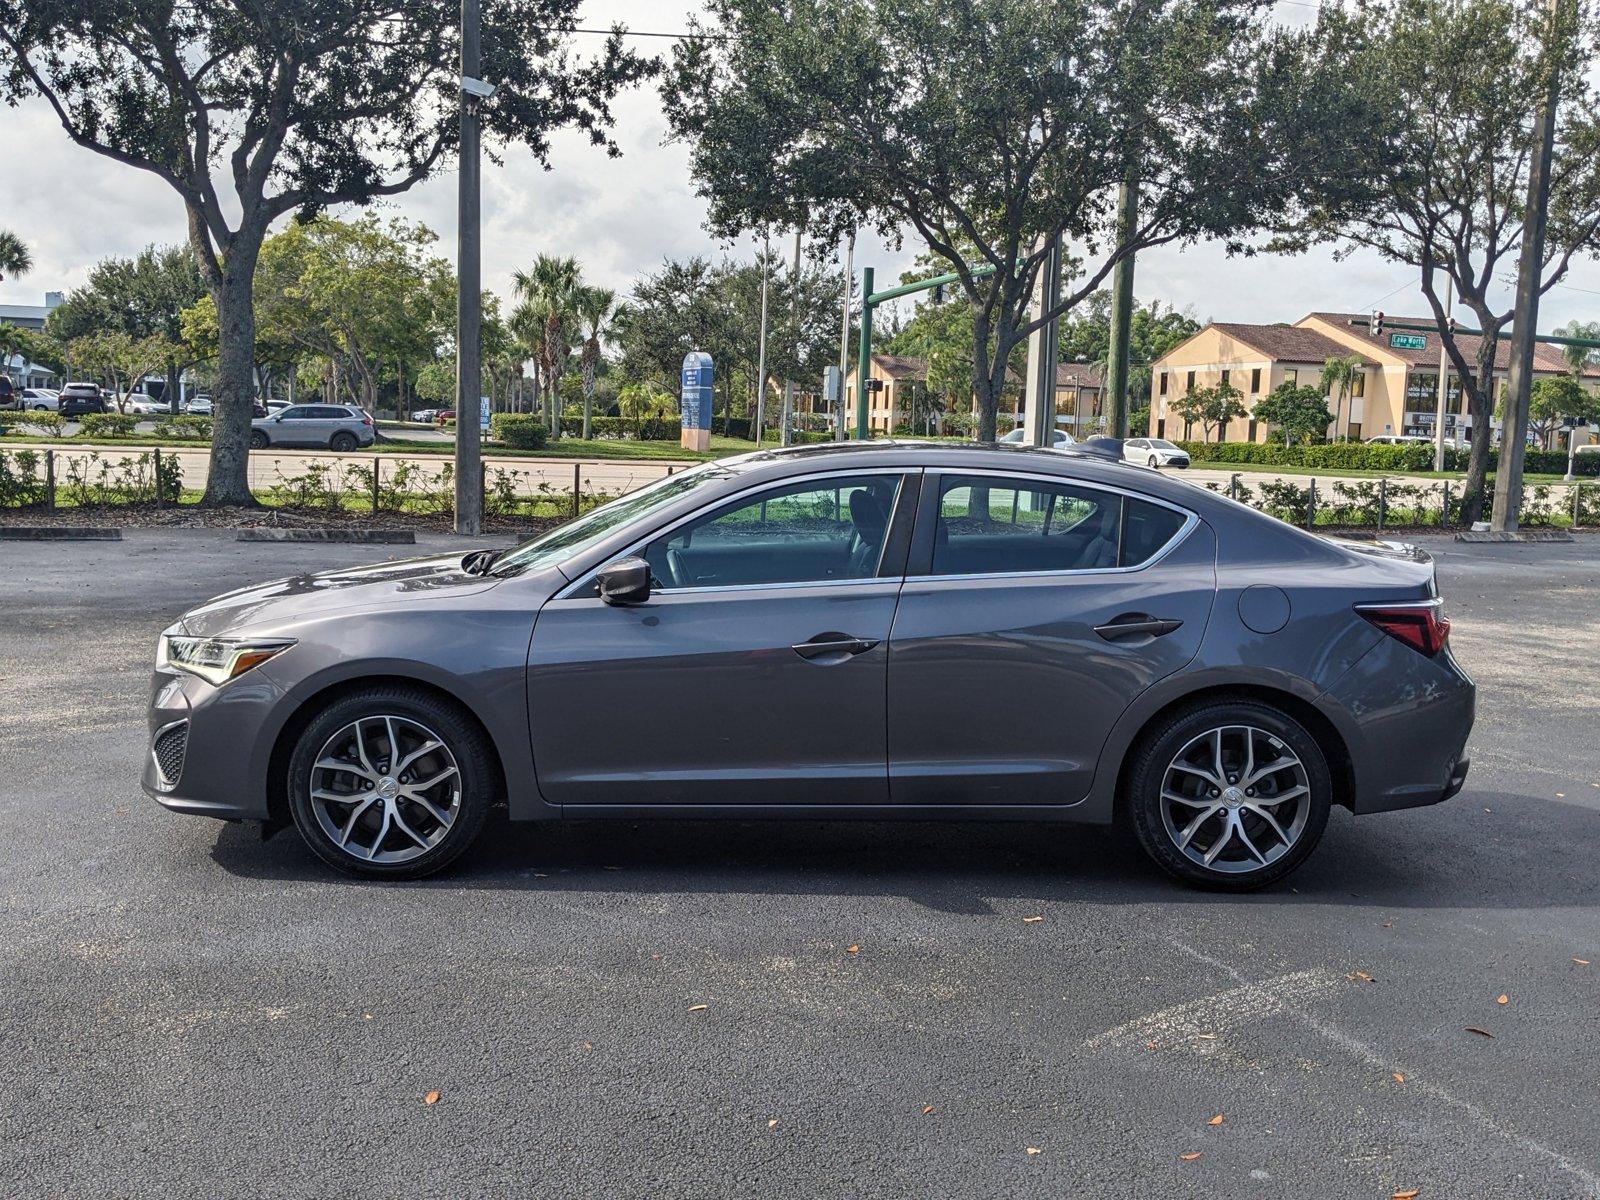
point(1375, 324)
point(938, 293)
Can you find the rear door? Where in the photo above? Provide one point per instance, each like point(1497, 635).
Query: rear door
point(1034, 610)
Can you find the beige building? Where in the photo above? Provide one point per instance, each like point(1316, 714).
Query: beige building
point(1396, 391)
point(1080, 394)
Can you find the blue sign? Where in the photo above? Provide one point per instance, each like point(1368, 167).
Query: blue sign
point(695, 396)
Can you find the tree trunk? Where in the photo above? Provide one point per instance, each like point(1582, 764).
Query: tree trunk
point(228, 477)
point(1480, 402)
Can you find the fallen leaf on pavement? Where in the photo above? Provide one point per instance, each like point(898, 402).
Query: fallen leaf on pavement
point(1031, 920)
point(927, 1109)
point(588, 1045)
point(1399, 1078)
point(1216, 1120)
point(1033, 1150)
point(852, 949)
point(431, 1099)
point(1582, 962)
point(1502, 999)
point(1479, 1032)
point(1150, 1045)
point(772, 1124)
point(1361, 975)
point(698, 1007)
point(1208, 1037)
point(1408, 1194)
point(1191, 1156)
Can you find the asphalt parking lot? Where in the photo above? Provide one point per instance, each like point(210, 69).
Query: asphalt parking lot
point(776, 1010)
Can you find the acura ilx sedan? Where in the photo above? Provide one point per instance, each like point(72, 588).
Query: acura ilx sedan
point(882, 630)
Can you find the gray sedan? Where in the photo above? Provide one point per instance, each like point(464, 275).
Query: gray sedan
point(341, 427)
point(889, 630)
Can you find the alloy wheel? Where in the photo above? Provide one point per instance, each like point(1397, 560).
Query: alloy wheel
point(1235, 799)
point(385, 789)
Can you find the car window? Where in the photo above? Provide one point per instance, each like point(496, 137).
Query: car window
point(813, 531)
point(994, 525)
point(299, 412)
point(1139, 444)
point(1161, 444)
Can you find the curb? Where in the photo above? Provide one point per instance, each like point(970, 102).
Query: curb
point(1522, 535)
point(60, 533)
point(391, 537)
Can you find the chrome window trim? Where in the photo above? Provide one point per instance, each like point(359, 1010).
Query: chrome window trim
point(568, 592)
point(1191, 519)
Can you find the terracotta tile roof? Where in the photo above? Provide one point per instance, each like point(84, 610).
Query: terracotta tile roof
point(1545, 358)
point(1286, 343)
point(1078, 375)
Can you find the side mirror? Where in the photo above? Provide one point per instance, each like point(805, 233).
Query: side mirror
point(626, 581)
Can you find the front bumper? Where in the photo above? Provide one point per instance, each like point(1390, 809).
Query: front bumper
point(221, 770)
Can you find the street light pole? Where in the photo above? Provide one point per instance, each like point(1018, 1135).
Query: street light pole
point(761, 354)
point(469, 298)
point(1444, 391)
point(1122, 310)
point(844, 336)
point(1506, 515)
point(786, 434)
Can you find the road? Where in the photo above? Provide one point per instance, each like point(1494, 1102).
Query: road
point(192, 1012)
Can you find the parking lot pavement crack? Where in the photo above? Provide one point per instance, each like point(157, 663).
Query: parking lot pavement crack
point(1291, 1003)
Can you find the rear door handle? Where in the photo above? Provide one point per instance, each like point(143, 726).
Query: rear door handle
point(826, 645)
point(1136, 625)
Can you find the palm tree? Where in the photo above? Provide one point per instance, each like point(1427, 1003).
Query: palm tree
point(550, 290)
point(596, 307)
point(1339, 377)
point(14, 256)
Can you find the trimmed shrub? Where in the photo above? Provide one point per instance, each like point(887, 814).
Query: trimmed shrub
point(184, 425)
point(107, 425)
point(520, 431)
point(1363, 456)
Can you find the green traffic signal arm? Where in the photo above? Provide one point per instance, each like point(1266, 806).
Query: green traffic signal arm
point(1425, 327)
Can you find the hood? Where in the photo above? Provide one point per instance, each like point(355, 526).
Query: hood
point(379, 585)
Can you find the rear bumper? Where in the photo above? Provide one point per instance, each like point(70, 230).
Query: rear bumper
point(1412, 715)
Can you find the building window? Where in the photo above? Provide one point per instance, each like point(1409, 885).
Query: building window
point(1255, 386)
point(1358, 387)
point(1163, 383)
point(1188, 431)
point(1291, 376)
point(1161, 428)
point(1355, 431)
point(1225, 374)
point(1189, 386)
point(1222, 432)
point(1253, 426)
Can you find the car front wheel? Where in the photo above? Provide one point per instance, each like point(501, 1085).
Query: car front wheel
point(1229, 795)
point(390, 783)
point(1154, 462)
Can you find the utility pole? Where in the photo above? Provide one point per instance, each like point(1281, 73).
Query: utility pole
point(1444, 388)
point(786, 434)
point(1121, 310)
point(761, 354)
point(844, 336)
point(1044, 352)
point(1514, 428)
point(469, 289)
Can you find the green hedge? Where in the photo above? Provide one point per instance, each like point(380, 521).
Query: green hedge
point(1363, 456)
point(520, 431)
point(107, 425)
point(184, 425)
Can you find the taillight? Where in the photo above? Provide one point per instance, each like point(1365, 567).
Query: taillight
point(366, 418)
point(1422, 626)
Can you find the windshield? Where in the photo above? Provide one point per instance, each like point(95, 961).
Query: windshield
point(1162, 444)
point(564, 541)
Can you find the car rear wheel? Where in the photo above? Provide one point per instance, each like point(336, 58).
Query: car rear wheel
point(343, 442)
point(1230, 795)
point(258, 440)
point(390, 783)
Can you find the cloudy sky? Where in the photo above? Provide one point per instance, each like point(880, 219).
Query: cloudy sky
point(623, 217)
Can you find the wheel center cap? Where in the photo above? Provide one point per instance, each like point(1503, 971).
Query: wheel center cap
point(388, 788)
point(1232, 797)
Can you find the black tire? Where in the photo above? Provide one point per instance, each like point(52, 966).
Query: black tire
point(342, 442)
point(1154, 757)
point(462, 738)
point(259, 440)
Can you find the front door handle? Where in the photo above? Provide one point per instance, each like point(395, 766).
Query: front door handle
point(833, 645)
point(1136, 625)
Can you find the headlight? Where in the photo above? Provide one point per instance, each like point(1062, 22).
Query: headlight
point(216, 659)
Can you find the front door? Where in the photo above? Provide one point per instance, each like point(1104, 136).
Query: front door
point(1033, 612)
point(754, 674)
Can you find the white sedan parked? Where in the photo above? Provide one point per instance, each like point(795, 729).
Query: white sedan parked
point(1154, 452)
